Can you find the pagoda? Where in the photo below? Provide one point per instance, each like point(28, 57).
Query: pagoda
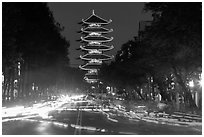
point(94, 45)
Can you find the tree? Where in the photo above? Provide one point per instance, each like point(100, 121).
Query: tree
point(130, 69)
point(31, 41)
point(175, 39)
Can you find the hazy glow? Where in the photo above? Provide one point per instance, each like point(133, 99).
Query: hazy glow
point(201, 80)
point(191, 83)
point(14, 111)
point(201, 83)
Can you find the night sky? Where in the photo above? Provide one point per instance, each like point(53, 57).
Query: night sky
point(125, 22)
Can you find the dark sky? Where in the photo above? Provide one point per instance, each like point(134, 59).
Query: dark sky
point(125, 22)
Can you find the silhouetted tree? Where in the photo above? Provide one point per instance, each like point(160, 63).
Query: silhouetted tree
point(32, 38)
point(175, 39)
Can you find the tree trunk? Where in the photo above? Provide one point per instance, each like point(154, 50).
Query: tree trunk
point(12, 85)
point(26, 81)
point(8, 87)
point(139, 93)
point(187, 92)
point(4, 88)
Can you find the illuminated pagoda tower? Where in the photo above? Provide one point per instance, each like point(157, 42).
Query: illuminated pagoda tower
point(94, 45)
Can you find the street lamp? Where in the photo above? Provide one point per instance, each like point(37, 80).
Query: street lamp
point(200, 83)
point(191, 84)
point(201, 80)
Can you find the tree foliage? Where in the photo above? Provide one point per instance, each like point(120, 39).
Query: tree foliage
point(34, 51)
point(170, 51)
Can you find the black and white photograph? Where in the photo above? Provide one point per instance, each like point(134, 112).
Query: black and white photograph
point(101, 68)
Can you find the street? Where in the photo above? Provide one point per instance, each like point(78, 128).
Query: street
point(75, 117)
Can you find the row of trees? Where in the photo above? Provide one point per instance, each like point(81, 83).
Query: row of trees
point(164, 59)
point(35, 55)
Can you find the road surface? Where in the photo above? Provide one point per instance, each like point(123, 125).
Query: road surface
point(86, 119)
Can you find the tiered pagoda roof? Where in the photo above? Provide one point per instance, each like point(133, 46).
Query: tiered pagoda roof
point(90, 66)
point(96, 39)
point(96, 56)
point(91, 80)
point(94, 46)
point(91, 76)
point(96, 29)
point(94, 19)
point(97, 47)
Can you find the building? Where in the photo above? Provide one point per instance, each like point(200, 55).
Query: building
point(94, 44)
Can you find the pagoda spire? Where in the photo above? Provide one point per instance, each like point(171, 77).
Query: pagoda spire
point(93, 12)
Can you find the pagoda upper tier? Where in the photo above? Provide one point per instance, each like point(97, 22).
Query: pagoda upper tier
point(91, 76)
point(96, 47)
point(96, 30)
point(95, 19)
point(91, 80)
point(96, 56)
point(96, 39)
point(90, 66)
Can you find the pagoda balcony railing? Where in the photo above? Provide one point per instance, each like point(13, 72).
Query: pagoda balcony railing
point(96, 39)
point(90, 66)
point(91, 80)
point(95, 51)
point(95, 23)
point(96, 56)
point(92, 77)
point(96, 29)
point(95, 34)
point(92, 71)
point(98, 47)
point(96, 61)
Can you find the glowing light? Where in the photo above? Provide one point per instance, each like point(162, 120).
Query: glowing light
point(94, 34)
point(103, 130)
point(201, 81)
point(14, 111)
point(191, 83)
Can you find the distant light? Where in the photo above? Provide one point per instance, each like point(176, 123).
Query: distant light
point(92, 87)
point(201, 82)
point(191, 83)
point(108, 88)
point(103, 130)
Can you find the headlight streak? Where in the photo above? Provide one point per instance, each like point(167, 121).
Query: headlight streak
point(43, 109)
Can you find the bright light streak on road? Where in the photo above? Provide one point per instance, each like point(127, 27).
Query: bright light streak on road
point(14, 111)
point(77, 97)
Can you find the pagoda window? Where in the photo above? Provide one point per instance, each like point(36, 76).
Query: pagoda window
point(95, 61)
point(94, 25)
point(95, 51)
point(93, 71)
point(94, 42)
point(94, 34)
